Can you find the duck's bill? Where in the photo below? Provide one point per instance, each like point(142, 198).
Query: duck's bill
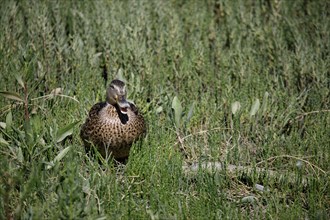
point(123, 106)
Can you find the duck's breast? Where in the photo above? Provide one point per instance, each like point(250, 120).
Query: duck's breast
point(122, 129)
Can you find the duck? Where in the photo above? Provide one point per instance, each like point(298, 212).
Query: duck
point(114, 125)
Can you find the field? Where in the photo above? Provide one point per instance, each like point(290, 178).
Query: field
point(236, 95)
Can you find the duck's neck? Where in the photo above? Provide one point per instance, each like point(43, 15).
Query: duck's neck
point(123, 117)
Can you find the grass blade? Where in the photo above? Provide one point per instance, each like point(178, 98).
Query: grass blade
point(265, 102)
point(3, 125)
point(58, 157)
point(191, 112)
point(9, 120)
point(62, 153)
point(11, 95)
point(65, 132)
point(3, 142)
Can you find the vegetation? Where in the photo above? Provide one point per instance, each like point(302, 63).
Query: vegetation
point(229, 84)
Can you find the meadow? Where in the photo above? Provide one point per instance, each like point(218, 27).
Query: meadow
point(236, 95)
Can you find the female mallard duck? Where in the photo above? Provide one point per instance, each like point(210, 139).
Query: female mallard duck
point(113, 126)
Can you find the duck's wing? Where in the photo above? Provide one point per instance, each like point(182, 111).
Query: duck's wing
point(134, 108)
point(92, 120)
point(94, 112)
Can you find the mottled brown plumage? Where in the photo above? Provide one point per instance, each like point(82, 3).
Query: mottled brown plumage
point(113, 126)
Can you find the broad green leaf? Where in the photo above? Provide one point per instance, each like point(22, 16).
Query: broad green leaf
point(176, 106)
point(58, 157)
point(20, 156)
point(265, 102)
point(50, 165)
point(138, 84)
point(259, 187)
point(64, 132)
point(9, 120)
point(159, 109)
point(3, 142)
point(255, 107)
point(191, 112)
point(120, 75)
point(97, 55)
point(11, 95)
point(3, 125)
point(62, 153)
point(19, 80)
point(235, 106)
point(249, 199)
point(41, 73)
point(299, 164)
point(86, 188)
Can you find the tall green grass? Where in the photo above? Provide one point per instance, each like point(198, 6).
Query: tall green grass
point(251, 81)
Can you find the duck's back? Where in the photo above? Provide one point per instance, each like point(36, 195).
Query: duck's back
point(111, 131)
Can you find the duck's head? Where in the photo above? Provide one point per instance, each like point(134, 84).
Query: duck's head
point(116, 95)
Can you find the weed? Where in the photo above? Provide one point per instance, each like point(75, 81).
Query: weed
point(236, 95)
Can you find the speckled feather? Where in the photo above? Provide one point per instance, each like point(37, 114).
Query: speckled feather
point(111, 131)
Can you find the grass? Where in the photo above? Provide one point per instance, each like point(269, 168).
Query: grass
point(251, 81)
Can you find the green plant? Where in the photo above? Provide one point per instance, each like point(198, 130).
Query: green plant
point(241, 88)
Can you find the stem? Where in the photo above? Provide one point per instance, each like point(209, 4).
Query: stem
point(26, 110)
